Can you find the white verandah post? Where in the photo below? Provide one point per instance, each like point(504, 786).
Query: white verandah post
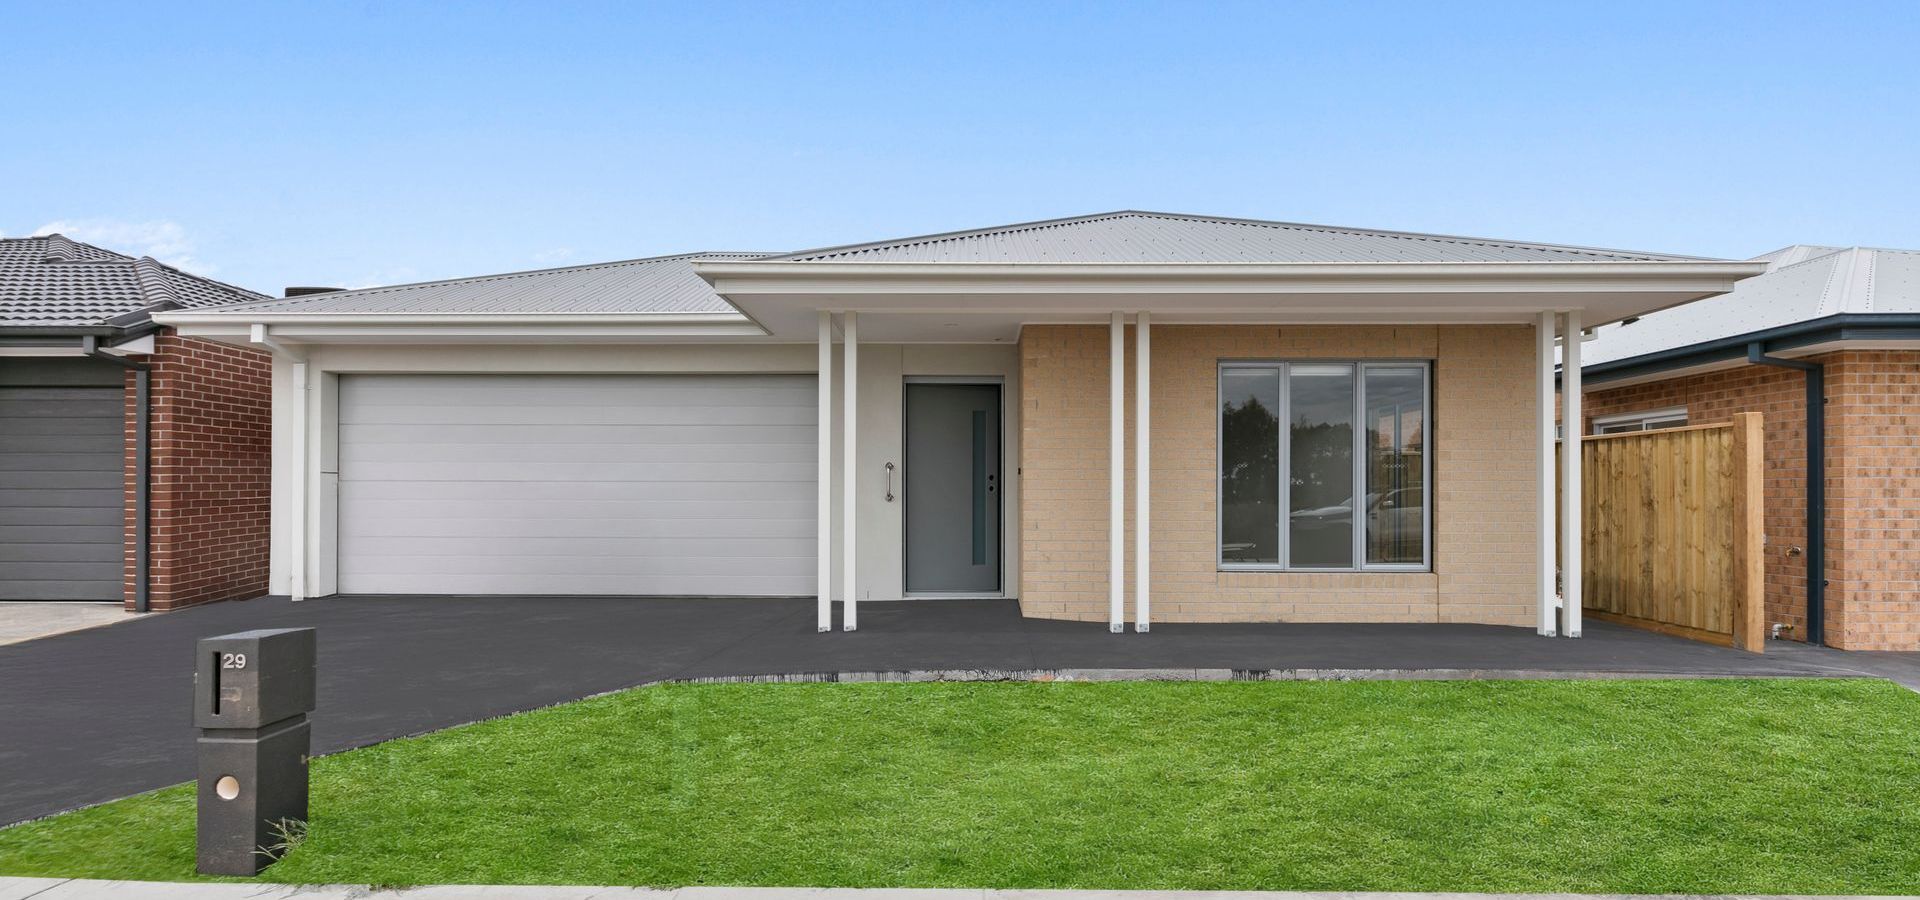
point(1117, 475)
point(1142, 486)
point(823, 520)
point(1546, 561)
point(849, 580)
point(1570, 531)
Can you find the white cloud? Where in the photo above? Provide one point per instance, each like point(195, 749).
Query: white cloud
point(557, 254)
point(163, 240)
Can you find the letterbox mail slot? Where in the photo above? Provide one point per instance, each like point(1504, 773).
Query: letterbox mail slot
point(253, 678)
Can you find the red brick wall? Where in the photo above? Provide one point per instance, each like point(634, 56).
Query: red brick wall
point(210, 472)
point(1872, 478)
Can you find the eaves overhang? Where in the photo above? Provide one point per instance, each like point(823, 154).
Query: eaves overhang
point(1825, 334)
point(785, 296)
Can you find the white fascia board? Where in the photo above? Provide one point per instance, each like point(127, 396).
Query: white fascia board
point(450, 327)
point(747, 278)
point(417, 318)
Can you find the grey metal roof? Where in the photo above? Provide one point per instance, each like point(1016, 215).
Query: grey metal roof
point(661, 284)
point(55, 281)
point(1802, 283)
point(1154, 237)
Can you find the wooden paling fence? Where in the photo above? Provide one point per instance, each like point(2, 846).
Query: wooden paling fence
point(1673, 531)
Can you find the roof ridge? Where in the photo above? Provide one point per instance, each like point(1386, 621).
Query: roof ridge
point(154, 282)
point(1019, 227)
point(330, 296)
point(936, 237)
point(1836, 251)
point(204, 279)
point(59, 248)
point(1407, 235)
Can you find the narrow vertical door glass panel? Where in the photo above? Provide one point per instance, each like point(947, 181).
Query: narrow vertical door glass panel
point(1396, 441)
point(1250, 465)
point(1320, 466)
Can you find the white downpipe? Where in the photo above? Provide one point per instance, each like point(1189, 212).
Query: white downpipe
point(849, 437)
point(823, 523)
point(1546, 562)
point(1117, 476)
point(1571, 564)
point(1142, 486)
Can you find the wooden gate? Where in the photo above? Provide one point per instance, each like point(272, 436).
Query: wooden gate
point(1673, 531)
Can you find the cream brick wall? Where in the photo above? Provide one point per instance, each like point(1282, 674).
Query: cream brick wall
point(1483, 480)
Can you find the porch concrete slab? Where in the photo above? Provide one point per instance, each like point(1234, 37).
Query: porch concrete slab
point(103, 713)
point(25, 621)
point(81, 889)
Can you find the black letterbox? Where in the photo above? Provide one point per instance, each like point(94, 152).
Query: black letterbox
point(252, 692)
point(254, 678)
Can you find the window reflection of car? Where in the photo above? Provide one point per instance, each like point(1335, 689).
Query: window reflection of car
point(1324, 516)
point(1396, 512)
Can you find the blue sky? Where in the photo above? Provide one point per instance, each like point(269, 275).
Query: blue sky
point(367, 143)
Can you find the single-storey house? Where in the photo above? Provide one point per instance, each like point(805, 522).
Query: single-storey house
point(1130, 416)
point(1827, 344)
point(134, 462)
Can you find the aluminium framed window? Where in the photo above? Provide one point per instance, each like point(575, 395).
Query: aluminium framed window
point(1323, 466)
point(1645, 420)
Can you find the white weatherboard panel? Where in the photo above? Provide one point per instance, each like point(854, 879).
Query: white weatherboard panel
point(695, 485)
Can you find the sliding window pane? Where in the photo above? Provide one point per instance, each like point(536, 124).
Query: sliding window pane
point(1250, 465)
point(1320, 447)
point(1396, 420)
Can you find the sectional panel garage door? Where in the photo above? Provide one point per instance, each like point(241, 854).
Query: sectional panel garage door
point(697, 485)
point(61, 484)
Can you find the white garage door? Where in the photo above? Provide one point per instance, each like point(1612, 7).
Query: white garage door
point(698, 485)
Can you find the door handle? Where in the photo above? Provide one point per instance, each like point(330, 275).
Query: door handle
point(889, 482)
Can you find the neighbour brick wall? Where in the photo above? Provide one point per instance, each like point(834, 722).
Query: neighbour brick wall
point(1872, 479)
point(1482, 488)
point(1873, 500)
point(210, 472)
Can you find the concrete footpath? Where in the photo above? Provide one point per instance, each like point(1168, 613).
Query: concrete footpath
point(78, 889)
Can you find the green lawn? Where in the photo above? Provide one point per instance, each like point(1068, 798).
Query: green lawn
point(1642, 787)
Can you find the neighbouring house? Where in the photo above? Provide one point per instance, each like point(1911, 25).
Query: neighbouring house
point(1841, 324)
point(1131, 415)
point(134, 462)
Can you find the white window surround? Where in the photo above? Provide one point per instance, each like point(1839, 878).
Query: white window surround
point(1644, 420)
point(1284, 461)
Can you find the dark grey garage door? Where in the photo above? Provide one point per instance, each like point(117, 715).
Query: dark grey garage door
point(60, 492)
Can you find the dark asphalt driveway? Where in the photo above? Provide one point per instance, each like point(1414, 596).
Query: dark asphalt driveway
point(98, 714)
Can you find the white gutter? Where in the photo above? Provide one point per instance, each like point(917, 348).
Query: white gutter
point(241, 316)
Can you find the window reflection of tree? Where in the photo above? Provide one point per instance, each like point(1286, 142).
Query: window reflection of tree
point(1249, 482)
point(1320, 450)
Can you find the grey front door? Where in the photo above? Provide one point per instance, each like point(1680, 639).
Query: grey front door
point(952, 488)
